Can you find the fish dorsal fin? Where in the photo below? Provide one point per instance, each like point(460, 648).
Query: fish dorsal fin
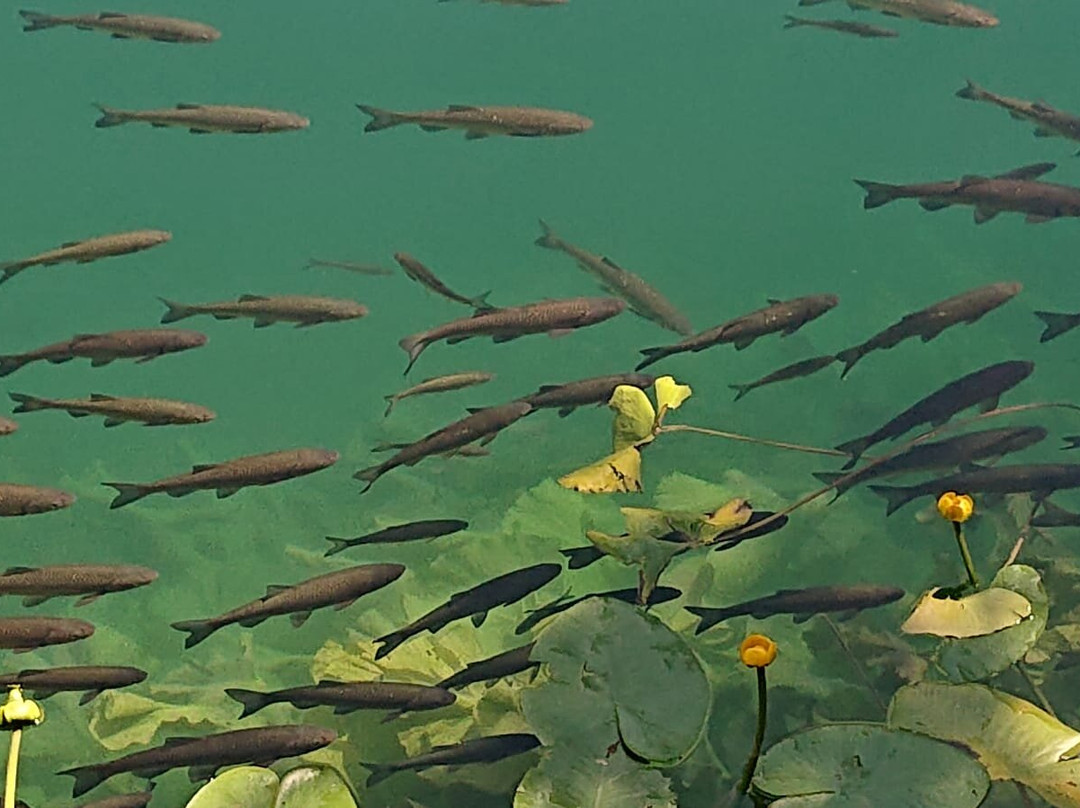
point(327, 682)
point(462, 108)
point(248, 298)
point(969, 179)
point(610, 263)
point(18, 570)
point(204, 467)
point(1029, 172)
point(67, 244)
point(474, 410)
point(276, 589)
point(189, 106)
point(179, 740)
point(773, 301)
point(101, 397)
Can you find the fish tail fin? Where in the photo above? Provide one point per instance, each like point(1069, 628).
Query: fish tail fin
point(971, 91)
point(652, 355)
point(480, 302)
point(896, 497)
point(197, 630)
point(1056, 324)
point(252, 700)
point(10, 269)
point(389, 643)
point(379, 772)
point(36, 21)
point(740, 390)
point(175, 311)
point(391, 400)
point(127, 493)
point(109, 117)
point(369, 476)
point(581, 556)
point(793, 22)
point(709, 617)
point(849, 357)
point(28, 403)
point(878, 193)
point(86, 778)
point(811, 2)
point(1071, 442)
point(9, 364)
point(339, 545)
point(380, 118)
point(830, 478)
point(855, 448)
point(547, 236)
point(413, 345)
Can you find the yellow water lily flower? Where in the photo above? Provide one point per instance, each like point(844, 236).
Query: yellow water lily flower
point(955, 507)
point(757, 651)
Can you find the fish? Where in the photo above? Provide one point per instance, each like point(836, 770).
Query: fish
point(439, 384)
point(962, 450)
point(843, 26)
point(88, 581)
point(796, 370)
point(228, 477)
point(1071, 442)
point(142, 345)
point(88, 250)
point(204, 755)
point(1056, 324)
point(300, 309)
point(339, 589)
point(469, 450)
point(938, 12)
point(139, 799)
point(1049, 122)
point(481, 122)
point(936, 195)
point(475, 603)
point(205, 119)
point(555, 317)
point(7, 427)
point(516, 660)
point(1038, 479)
point(784, 316)
point(967, 307)
point(349, 266)
point(117, 410)
point(481, 425)
point(127, 26)
point(982, 387)
point(597, 390)
point(91, 680)
point(642, 298)
point(26, 500)
point(1053, 515)
point(346, 697)
point(411, 531)
point(23, 634)
point(426, 278)
point(523, 2)
point(477, 750)
point(661, 594)
point(803, 603)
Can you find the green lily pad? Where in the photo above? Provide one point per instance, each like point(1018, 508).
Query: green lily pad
point(1013, 738)
point(978, 658)
point(314, 787)
point(617, 674)
point(976, 615)
point(243, 787)
point(860, 764)
point(564, 779)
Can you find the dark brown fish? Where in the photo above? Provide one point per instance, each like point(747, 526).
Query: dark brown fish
point(474, 603)
point(300, 309)
point(204, 119)
point(25, 500)
point(478, 750)
point(91, 680)
point(641, 297)
point(796, 370)
point(230, 476)
point(203, 756)
point(596, 390)
point(861, 29)
point(934, 195)
point(555, 317)
point(803, 603)
point(412, 531)
point(349, 266)
point(127, 26)
point(516, 660)
point(480, 122)
point(784, 316)
point(482, 425)
point(426, 278)
point(339, 589)
point(1038, 479)
point(87, 250)
point(117, 411)
point(347, 697)
point(22, 634)
point(1053, 515)
point(1049, 122)
point(1056, 324)
point(440, 384)
point(87, 581)
point(142, 345)
point(967, 307)
point(661, 594)
point(7, 427)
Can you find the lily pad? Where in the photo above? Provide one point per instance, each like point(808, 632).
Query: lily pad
point(975, 615)
point(868, 764)
point(243, 787)
point(616, 674)
point(314, 787)
point(1013, 738)
point(564, 779)
point(979, 658)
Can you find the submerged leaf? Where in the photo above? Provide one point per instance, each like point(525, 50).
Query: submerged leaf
point(634, 417)
point(669, 395)
point(564, 779)
point(975, 615)
point(243, 787)
point(314, 787)
point(616, 473)
point(124, 719)
point(651, 556)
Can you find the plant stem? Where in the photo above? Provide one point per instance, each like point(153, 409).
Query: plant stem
point(1035, 688)
point(12, 768)
point(855, 662)
point(965, 553)
point(776, 444)
point(759, 734)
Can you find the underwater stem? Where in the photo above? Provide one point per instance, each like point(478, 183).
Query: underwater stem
point(965, 553)
point(759, 734)
point(855, 662)
point(776, 444)
point(12, 768)
point(1035, 688)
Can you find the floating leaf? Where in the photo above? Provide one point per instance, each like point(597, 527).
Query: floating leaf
point(1013, 738)
point(669, 395)
point(975, 615)
point(868, 764)
point(243, 787)
point(604, 660)
point(634, 417)
point(616, 473)
point(564, 779)
point(314, 787)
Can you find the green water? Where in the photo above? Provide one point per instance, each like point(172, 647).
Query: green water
point(719, 168)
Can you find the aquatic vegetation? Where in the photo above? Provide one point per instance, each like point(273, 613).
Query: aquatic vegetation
point(255, 787)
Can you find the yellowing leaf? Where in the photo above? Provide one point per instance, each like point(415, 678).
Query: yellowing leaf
point(669, 395)
point(616, 473)
point(646, 522)
point(634, 417)
point(976, 615)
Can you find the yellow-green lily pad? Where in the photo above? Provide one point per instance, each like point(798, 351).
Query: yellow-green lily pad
point(974, 615)
point(242, 787)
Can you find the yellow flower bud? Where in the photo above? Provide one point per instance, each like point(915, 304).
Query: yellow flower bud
point(955, 507)
point(757, 651)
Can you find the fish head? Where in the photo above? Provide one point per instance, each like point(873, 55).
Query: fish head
point(319, 458)
point(159, 236)
point(140, 576)
point(208, 34)
point(309, 738)
point(202, 415)
point(180, 340)
point(58, 500)
point(287, 122)
point(571, 124)
point(71, 629)
point(971, 17)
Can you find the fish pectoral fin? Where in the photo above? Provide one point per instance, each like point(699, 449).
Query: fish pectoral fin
point(983, 214)
point(430, 127)
point(251, 622)
point(111, 421)
point(224, 493)
point(299, 618)
point(498, 338)
point(345, 604)
point(1038, 218)
point(159, 125)
point(473, 134)
point(35, 600)
point(202, 772)
point(565, 411)
point(67, 245)
point(97, 361)
point(200, 131)
point(456, 340)
point(990, 404)
point(344, 709)
point(18, 570)
point(263, 322)
point(772, 301)
point(478, 619)
point(89, 696)
point(743, 342)
point(802, 618)
point(201, 467)
point(1042, 131)
point(88, 598)
point(934, 204)
point(275, 589)
point(79, 413)
point(121, 36)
